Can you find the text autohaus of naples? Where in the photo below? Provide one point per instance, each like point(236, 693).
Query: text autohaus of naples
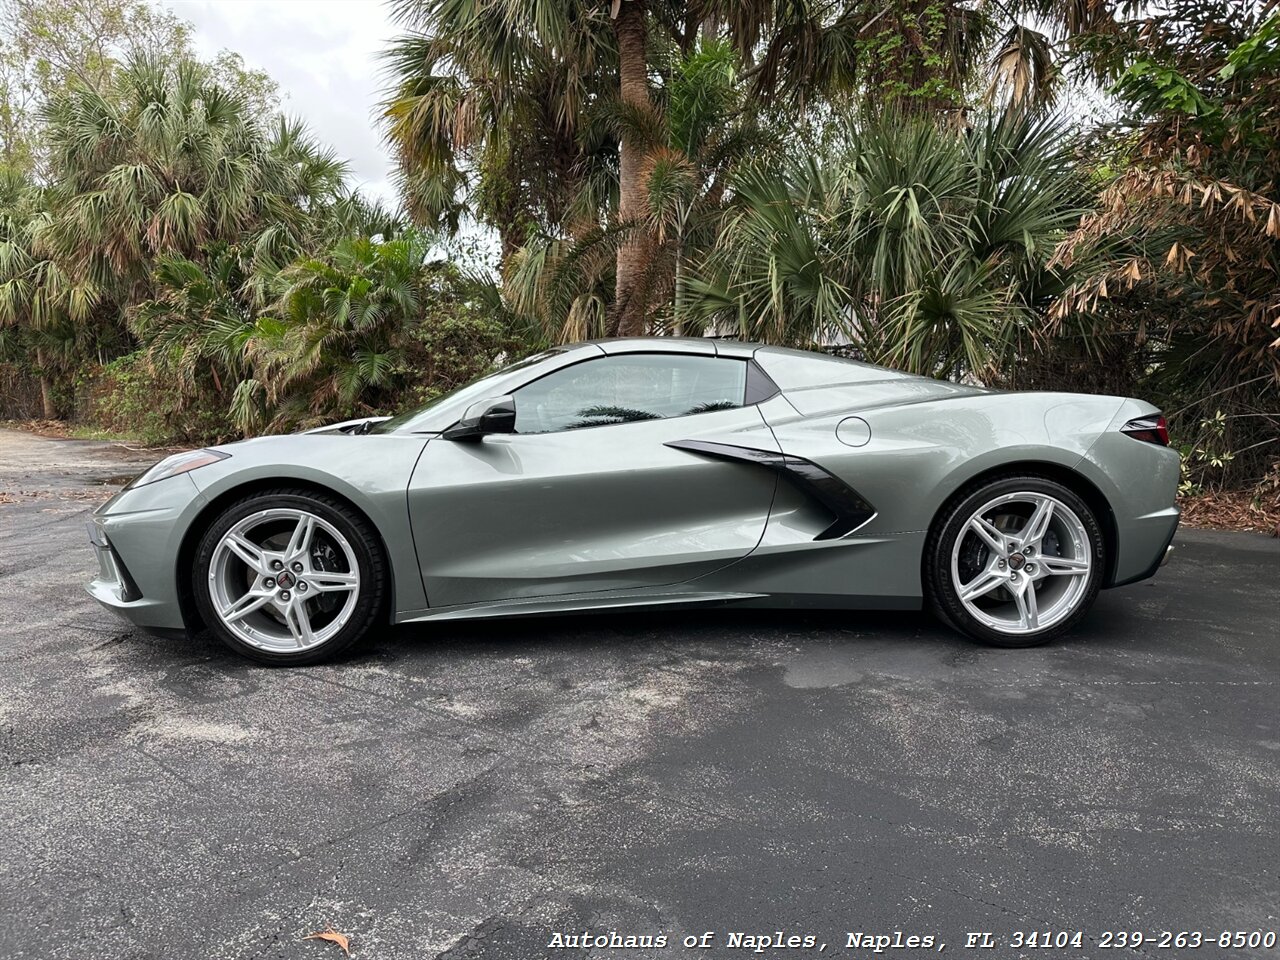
point(740, 940)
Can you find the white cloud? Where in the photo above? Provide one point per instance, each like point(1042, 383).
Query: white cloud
point(324, 54)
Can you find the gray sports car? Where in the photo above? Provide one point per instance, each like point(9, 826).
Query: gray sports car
point(645, 473)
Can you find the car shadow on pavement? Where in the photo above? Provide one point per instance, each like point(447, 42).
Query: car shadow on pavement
point(1111, 617)
point(705, 633)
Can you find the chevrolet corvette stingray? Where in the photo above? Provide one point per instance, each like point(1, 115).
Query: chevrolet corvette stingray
point(652, 472)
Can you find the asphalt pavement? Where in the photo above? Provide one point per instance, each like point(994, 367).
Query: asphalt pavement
point(475, 790)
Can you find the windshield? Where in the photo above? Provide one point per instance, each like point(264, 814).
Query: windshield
point(475, 390)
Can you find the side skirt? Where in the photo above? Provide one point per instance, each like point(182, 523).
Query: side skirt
point(569, 604)
point(557, 606)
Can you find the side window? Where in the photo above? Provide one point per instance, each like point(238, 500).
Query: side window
point(627, 388)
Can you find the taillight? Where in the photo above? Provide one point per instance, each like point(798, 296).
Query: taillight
point(1153, 429)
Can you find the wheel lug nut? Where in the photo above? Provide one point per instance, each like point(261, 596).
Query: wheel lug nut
point(276, 565)
point(301, 586)
point(297, 568)
point(1031, 568)
point(269, 582)
point(1013, 577)
point(1003, 564)
point(284, 594)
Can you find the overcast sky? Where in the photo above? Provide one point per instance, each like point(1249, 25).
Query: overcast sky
point(324, 55)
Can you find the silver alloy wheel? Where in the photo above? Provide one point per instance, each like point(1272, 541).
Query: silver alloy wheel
point(1033, 559)
point(270, 582)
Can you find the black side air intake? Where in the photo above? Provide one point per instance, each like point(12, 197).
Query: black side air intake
point(848, 506)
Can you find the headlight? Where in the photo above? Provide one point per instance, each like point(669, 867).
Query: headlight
point(178, 463)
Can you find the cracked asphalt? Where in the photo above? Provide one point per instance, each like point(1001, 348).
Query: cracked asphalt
point(469, 790)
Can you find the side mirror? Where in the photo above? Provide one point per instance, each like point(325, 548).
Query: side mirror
point(495, 415)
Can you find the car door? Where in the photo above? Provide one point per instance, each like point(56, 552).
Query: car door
point(587, 495)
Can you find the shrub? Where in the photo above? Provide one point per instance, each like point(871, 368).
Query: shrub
point(132, 397)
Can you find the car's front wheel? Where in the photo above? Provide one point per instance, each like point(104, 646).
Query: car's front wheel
point(1014, 562)
point(289, 577)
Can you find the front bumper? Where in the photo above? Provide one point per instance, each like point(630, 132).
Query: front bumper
point(113, 578)
point(136, 537)
point(115, 589)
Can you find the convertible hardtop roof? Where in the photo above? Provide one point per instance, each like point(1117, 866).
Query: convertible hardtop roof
point(849, 369)
point(699, 345)
point(790, 369)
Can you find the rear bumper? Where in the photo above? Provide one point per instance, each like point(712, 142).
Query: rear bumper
point(1139, 481)
point(1150, 537)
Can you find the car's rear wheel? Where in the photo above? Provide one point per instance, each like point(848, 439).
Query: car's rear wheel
point(1014, 562)
point(289, 577)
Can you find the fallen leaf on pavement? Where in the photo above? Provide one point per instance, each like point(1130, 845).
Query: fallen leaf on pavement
point(333, 936)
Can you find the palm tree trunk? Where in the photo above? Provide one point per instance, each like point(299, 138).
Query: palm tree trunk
point(633, 255)
point(46, 389)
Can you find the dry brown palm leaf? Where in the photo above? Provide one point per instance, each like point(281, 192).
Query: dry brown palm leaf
point(332, 936)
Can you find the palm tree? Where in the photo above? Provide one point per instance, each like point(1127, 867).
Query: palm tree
point(923, 246)
point(364, 325)
point(198, 323)
point(164, 162)
point(635, 251)
point(159, 176)
point(539, 117)
point(472, 79)
point(335, 335)
point(697, 130)
point(490, 104)
point(37, 301)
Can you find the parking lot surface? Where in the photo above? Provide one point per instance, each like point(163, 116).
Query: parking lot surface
point(471, 790)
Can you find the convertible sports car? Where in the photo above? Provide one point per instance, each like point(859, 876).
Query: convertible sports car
point(652, 472)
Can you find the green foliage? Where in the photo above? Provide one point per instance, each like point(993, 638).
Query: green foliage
point(1258, 54)
point(923, 247)
point(166, 161)
point(198, 327)
point(452, 347)
point(1206, 457)
point(341, 315)
point(516, 114)
point(698, 131)
point(173, 205)
point(134, 397)
point(1152, 88)
point(906, 58)
point(364, 327)
point(701, 94)
point(880, 172)
point(1175, 271)
point(49, 48)
point(502, 90)
point(357, 328)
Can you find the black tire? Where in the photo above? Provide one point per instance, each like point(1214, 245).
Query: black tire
point(372, 565)
point(941, 596)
